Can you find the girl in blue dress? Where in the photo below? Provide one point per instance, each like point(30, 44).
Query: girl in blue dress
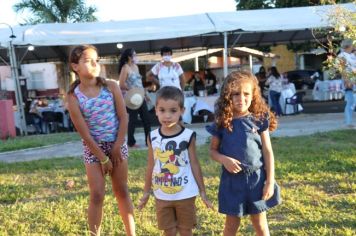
point(241, 143)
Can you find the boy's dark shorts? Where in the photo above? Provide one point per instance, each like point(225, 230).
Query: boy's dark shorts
point(179, 213)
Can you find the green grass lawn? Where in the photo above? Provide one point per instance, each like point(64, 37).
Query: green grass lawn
point(32, 141)
point(316, 174)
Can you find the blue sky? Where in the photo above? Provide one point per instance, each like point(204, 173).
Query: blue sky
point(133, 9)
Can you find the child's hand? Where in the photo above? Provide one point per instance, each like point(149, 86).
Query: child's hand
point(206, 201)
point(232, 165)
point(116, 155)
point(268, 191)
point(106, 168)
point(143, 201)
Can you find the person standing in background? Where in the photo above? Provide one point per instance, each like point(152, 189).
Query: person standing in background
point(348, 64)
point(274, 81)
point(261, 77)
point(197, 83)
point(129, 77)
point(167, 72)
point(210, 81)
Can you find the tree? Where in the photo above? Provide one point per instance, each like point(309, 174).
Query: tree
point(261, 4)
point(61, 11)
point(343, 24)
point(296, 3)
point(249, 5)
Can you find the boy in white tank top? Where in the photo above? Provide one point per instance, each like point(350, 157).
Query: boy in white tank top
point(173, 170)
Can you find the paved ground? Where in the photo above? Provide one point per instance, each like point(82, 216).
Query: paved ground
point(302, 124)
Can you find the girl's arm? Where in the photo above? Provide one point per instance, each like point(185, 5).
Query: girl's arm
point(182, 81)
point(151, 77)
point(148, 177)
point(82, 128)
point(232, 165)
point(269, 80)
point(197, 173)
point(122, 115)
point(123, 77)
point(269, 165)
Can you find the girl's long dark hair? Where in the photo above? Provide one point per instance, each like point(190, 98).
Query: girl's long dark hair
point(224, 106)
point(275, 72)
point(74, 57)
point(125, 57)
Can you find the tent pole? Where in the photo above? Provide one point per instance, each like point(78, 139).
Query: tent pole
point(18, 94)
point(196, 64)
point(251, 63)
point(225, 54)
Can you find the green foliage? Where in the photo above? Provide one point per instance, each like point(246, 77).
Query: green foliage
point(51, 11)
point(32, 141)
point(301, 47)
point(316, 174)
point(296, 3)
point(249, 5)
point(343, 24)
point(261, 4)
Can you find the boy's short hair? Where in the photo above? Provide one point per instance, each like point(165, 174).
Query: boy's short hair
point(166, 49)
point(171, 92)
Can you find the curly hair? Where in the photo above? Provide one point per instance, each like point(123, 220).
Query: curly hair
point(224, 106)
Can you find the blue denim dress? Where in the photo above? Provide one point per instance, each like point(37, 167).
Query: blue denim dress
point(241, 194)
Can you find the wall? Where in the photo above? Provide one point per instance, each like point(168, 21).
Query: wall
point(5, 78)
point(40, 76)
point(218, 62)
point(286, 62)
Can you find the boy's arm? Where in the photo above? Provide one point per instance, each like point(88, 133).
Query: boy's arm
point(269, 165)
point(148, 178)
point(197, 173)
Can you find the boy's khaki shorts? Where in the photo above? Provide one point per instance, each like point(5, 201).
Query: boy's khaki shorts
point(180, 213)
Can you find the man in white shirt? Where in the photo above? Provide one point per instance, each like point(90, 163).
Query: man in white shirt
point(167, 72)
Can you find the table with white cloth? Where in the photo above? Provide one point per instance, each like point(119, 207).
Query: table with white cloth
point(289, 109)
point(328, 90)
point(59, 109)
point(287, 92)
point(205, 103)
point(198, 104)
point(189, 102)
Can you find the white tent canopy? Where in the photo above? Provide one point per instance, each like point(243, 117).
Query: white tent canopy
point(242, 28)
point(209, 30)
